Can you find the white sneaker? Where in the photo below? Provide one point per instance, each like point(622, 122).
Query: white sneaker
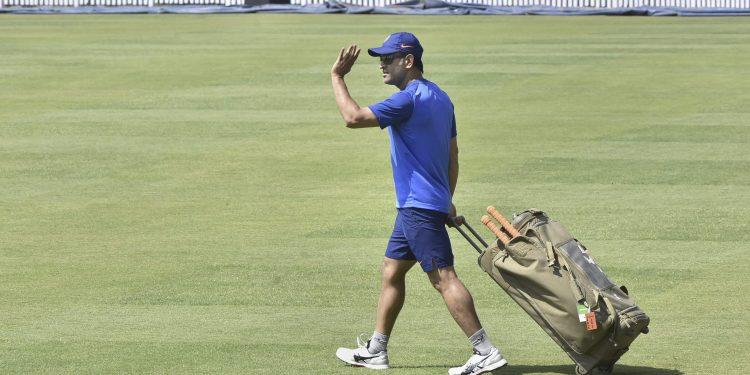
point(479, 364)
point(362, 357)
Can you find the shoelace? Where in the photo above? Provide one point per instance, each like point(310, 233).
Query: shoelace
point(365, 342)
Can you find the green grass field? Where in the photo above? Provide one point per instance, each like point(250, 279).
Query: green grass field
point(179, 194)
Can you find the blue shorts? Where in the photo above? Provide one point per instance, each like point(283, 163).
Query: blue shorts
point(420, 235)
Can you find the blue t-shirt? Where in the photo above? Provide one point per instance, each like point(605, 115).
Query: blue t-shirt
point(420, 123)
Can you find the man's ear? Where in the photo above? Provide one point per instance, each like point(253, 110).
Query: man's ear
point(409, 61)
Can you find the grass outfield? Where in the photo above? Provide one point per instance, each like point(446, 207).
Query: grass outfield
point(179, 194)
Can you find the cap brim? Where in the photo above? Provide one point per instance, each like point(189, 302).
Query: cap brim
point(381, 51)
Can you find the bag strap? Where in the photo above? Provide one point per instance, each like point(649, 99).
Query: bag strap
point(551, 257)
point(572, 280)
point(519, 220)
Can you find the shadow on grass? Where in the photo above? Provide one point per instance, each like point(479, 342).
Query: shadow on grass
point(570, 369)
point(562, 369)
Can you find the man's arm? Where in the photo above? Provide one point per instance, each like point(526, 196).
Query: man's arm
point(453, 171)
point(354, 116)
point(453, 165)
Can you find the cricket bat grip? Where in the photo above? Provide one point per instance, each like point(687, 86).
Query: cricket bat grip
point(503, 221)
point(495, 230)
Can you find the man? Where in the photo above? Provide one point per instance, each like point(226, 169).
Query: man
point(424, 158)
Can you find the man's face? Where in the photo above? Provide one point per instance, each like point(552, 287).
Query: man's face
point(393, 67)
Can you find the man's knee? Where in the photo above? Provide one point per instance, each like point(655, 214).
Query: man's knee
point(394, 271)
point(444, 278)
point(438, 286)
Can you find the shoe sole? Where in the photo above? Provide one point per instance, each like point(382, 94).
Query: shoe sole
point(494, 367)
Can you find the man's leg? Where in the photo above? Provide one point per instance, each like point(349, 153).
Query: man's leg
point(457, 298)
point(461, 306)
point(373, 352)
point(397, 262)
point(392, 293)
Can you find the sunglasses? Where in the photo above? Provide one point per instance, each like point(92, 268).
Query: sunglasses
point(388, 59)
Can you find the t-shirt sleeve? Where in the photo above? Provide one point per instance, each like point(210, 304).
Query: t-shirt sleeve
point(393, 111)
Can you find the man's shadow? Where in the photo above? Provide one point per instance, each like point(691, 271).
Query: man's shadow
point(568, 370)
point(571, 369)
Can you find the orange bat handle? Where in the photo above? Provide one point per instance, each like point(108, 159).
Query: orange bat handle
point(496, 214)
point(494, 229)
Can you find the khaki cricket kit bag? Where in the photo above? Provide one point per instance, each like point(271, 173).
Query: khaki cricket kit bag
point(554, 279)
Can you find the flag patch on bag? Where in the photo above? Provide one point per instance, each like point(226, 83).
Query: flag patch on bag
point(591, 321)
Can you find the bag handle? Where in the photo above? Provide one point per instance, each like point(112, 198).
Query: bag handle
point(457, 221)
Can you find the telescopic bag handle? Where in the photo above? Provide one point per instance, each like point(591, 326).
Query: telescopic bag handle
point(457, 224)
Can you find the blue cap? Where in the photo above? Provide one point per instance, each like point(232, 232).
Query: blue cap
point(402, 42)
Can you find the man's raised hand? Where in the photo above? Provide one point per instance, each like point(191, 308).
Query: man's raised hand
point(345, 61)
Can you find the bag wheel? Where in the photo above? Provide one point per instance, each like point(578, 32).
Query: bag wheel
point(580, 371)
